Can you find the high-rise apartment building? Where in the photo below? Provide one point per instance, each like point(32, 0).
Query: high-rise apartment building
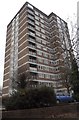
point(36, 43)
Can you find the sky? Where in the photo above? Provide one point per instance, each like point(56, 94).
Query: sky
point(8, 8)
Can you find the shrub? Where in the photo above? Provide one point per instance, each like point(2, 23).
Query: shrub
point(34, 98)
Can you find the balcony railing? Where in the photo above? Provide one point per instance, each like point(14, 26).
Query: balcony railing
point(32, 34)
point(32, 53)
point(32, 40)
point(32, 28)
point(32, 46)
point(32, 69)
point(31, 12)
point(31, 17)
point(31, 22)
point(31, 60)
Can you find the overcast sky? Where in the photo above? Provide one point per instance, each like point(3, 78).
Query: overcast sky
point(8, 9)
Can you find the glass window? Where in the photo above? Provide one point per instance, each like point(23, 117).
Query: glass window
point(39, 52)
point(36, 17)
point(41, 75)
point(46, 61)
point(38, 46)
point(45, 55)
point(38, 33)
point(40, 60)
point(42, 20)
point(47, 76)
point(42, 25)
point(40, 67)
point(44, 48)
point(59, 25)
point(37, 28)
point(41, 16)
point(46, 68)
point(43, 36)
point(38, 39)
point(36, 13)
point(12, 43)
point(30, 11)
point(31, 17)
point(13, 22)
point(30, 6)
point(44, 42)
point(42, 30)
point(36, 22)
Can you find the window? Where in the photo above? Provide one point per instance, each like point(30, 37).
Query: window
point(36, 13)
point(31, 33)
point(44, 42)
point(30, 11)
point(42, 30)
point(38, 46)
point(42, 20)
point(38, 39)
point(38, 33)
point(46, 61)
point(13, 37)
point(46, 28)
point(36, 17)
point(40, 60)
point(45, 55)
point(37, 28)
point(46, 23)
point(36, 22)
point(30, 6)
point(39, 52)
point(31, 17)
point(41, 75)
point(58, 76)
point(47, 76)
point(40, 67)
point(43, 36)
point(46, 68)
point(31, 22)
point(45, 18)
point(59, 26)
point(44, 48)
point(12, 43)
point(42, 25)
point(49, 55)
point(41, 16)
point(13, 22)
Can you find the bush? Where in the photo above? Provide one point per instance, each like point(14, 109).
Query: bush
point(34, 98)
point(76, 97)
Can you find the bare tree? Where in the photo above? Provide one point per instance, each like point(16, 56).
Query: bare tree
point(72, 54)
point(73, 34)
point(23, 82)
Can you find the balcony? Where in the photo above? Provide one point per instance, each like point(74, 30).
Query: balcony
point(31, 17)
point(32, 53)
point(32, 69)
point(31, 28)
point(32, 60)
point(31, 12)
point(31, 22)
point(31, 40)
point(32, 46)
point(32, 34)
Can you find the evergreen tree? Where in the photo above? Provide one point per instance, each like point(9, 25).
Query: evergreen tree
point(75, 79)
